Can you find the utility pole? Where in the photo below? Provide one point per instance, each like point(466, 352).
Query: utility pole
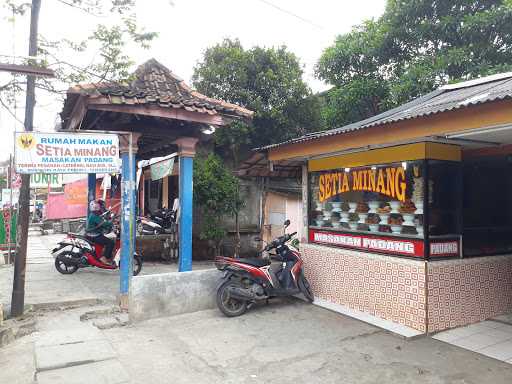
point(20, 261)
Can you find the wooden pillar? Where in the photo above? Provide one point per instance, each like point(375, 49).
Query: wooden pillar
point(165, 192)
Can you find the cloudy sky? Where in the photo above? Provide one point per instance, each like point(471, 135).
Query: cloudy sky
point(186, 28)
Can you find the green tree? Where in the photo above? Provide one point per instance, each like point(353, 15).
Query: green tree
point(108, 41)
point(265, 80)
point(416, 46)
point(216, 191)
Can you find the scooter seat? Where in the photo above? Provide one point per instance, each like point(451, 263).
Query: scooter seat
point(255, 262)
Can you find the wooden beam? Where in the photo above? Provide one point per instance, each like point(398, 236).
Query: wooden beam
point(77, 114)
point(27, 70)
point(167, 113)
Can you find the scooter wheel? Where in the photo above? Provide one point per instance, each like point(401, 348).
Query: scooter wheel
point(137, 264)
point(230, 306)
point(305, 288)
point(64, 267)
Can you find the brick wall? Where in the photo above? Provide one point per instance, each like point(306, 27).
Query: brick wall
point(466, 291)
point(460, 292)
point(387, 287)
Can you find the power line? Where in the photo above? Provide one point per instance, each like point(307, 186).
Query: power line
point(290, 13)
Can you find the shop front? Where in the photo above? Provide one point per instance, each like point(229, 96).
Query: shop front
point(414, 226)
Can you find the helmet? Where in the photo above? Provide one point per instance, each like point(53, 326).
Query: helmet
point(102, 204)
point(94, 206)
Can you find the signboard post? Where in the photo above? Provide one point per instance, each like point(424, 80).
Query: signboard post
point(57, 153)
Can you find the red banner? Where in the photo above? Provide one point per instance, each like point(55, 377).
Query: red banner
point(381, 244)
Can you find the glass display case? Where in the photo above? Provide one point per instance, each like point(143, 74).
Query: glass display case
point(388, 208)
point(378, 199)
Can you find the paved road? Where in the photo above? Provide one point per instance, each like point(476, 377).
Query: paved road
point(284, 342)
point(287, 342)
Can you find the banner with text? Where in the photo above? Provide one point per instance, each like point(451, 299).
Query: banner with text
point(389, 245)
point(43, 180)
point(40, 152)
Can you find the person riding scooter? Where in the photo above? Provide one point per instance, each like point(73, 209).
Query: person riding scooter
point(97, 226)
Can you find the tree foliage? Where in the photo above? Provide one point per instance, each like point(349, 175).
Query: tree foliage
point(267, 81)
point(216, 192)
point(416, 46)
point(66, 57)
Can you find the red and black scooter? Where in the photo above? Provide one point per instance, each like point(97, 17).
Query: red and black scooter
point(77, 251)
point(247, 281)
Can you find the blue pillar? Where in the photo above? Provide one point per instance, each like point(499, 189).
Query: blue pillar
point(91, 189)
point(186, 210)
point(127, 216)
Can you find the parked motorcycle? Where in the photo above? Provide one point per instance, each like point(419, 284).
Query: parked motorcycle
point(158, 222)
point(247, 281)
point(78, 251)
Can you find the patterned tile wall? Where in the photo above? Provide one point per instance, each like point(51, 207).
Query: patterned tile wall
point(387, 287)
point(466, 291)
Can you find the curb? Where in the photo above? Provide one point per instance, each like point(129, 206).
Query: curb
point(70, 303)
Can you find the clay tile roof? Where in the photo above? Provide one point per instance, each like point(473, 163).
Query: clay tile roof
point(155, 84)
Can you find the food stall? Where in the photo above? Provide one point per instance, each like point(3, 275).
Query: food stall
point(408, 214)
point(375, 200)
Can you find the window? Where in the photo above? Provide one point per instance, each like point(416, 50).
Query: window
point(380, 199)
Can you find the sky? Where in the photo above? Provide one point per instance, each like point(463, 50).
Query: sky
point(186, 28)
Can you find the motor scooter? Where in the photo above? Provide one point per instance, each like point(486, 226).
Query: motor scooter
point(247, 281)
point(79, 251)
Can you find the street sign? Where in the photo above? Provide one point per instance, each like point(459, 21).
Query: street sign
point(7, 198)
point(41, 152)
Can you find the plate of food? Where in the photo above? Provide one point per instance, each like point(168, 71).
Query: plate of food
point(362, 217)
point(353, 224)
point(362, 207)
point(374, 227)
point(384, 209)
point(407, 207)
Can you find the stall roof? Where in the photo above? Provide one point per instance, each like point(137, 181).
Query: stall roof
point(154, 85)
point(447, 98)
point(258, 166)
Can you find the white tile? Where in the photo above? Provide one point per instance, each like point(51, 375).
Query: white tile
point(505, 334)
point(477, 341)
point(500, 351)
point(400, 329)
point(492, 324)
point(457, 333)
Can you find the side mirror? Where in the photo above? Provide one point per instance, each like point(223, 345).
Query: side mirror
point(286, 223)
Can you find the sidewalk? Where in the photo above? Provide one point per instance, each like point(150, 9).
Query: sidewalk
point(44, 286)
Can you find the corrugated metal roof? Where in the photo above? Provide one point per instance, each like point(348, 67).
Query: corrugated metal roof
point(447, 98)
